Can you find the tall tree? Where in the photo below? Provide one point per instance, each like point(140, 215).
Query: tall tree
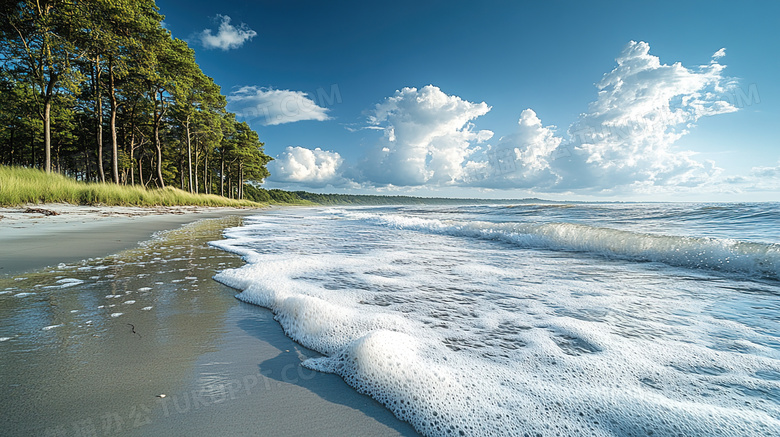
point(37, 38)
point(202, 96)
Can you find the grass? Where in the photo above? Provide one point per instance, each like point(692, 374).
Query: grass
point(19, 186)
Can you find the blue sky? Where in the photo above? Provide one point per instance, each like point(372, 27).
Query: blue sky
point(561, 100)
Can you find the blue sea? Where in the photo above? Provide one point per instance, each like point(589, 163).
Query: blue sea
point(533, 319)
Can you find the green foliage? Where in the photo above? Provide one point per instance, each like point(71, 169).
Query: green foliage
point(274, 196)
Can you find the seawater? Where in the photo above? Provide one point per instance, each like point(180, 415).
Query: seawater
point(533, 319)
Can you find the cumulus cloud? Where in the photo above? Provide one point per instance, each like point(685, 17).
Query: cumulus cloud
point(270, 106)
point(623, 143)
point(312, 168)
point(643, 108)
point(228, 36)
point(427, 137)
point(518, 160)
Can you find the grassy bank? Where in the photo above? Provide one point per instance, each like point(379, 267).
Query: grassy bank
point(20, 186)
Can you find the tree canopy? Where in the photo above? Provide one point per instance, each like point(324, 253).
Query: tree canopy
point(99, 90)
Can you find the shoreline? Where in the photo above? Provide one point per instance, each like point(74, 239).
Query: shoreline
point(32, 241)
point(92, 345)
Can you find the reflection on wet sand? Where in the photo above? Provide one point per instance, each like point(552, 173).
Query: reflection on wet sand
point(88, 341)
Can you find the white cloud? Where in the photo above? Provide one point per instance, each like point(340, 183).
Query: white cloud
point(759, 179)
point(312, 168)
point(228, 36)
point(623, 144)
point(519, 160)
point(766, 172)
point(427, 137)
point(643, 107)
point(271, 106)
point(719, 54)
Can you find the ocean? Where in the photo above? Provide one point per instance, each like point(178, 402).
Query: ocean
point(533, 319)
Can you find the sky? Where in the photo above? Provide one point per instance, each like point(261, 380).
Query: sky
point(667, 100)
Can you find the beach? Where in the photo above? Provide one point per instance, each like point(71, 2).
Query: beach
point(102, 336)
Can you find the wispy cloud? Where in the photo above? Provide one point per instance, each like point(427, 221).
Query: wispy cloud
point(269, 106)
point(227, 37)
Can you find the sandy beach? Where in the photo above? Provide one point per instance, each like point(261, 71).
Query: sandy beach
point(33, 240)
point(101, 336)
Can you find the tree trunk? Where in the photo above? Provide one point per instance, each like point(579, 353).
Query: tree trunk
point(141, 168)
point(206, 181)
point(158, 115)
point(47, 133)
point(241, 181)
point(114, 146)
point(132, 150)
point(189, 153)
point(99, 118)
point(195, 170)
point(158, 145)
point(47, 119)
point(222, 179)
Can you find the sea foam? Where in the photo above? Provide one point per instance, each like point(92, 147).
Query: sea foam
point(697, 252)
point(466, 337)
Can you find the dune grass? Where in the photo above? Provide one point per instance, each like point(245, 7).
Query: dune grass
point(19, 186)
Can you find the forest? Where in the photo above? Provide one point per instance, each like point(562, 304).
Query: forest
point(100, 91)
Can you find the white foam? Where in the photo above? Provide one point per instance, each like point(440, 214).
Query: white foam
point(46, 328)
point(23, 294)
point(146, 308)
point(116, 314)
point(711, 253)
point(460, 337)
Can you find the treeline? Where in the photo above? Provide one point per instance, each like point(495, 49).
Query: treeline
point(304, 197)
point(99, 90)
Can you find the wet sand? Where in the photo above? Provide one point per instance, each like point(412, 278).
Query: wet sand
point(31, 241)
point(90, 347)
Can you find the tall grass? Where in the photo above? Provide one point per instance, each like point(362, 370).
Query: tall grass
point(19, 186)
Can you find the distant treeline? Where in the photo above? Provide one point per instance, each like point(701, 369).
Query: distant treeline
point(304, 197)
point(100, 91)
